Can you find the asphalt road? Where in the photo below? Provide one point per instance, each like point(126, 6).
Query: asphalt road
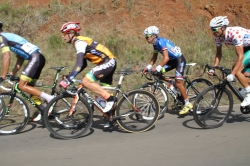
point(172, 142)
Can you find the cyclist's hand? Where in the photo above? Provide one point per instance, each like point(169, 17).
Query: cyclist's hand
point(211, 72)
point(65, 83)
point(230, 77)
point(1, 79)
point(145, 70)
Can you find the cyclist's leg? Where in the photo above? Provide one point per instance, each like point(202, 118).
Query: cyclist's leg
point(241, 77)
point(180, 66)
point(32, 71)
point(105, 69)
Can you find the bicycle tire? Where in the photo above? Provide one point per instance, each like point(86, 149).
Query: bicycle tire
point(16, 115)
point(210, 115)
point(161, 95)
point(196, 86)
point(149, 108)
point(62, 126)
point(2, 109)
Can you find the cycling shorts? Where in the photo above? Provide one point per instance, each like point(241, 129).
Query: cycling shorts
point(178, 64)
point(246, 60)
point(103, 71)
point(33, 69)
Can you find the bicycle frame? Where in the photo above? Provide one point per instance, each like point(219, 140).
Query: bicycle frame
point(13, 94)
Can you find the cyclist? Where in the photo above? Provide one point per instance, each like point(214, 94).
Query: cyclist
point(89, 49)
point(24, 50)
point(239, 37)
point(172, 58)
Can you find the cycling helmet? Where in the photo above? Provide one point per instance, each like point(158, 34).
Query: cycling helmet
point(1, 24)
point(152, 30)
point(70, 26)
point(219, 22)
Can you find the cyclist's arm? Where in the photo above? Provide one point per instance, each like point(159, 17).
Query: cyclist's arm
point(153, 59)
point(218, 55)
point(240, 54)
point(165, 58)
point(18, 65)
point(81, 64)
point(5, 63)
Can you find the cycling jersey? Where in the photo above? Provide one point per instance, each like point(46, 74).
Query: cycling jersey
point(235, 36)
point(17, 44)
point(164, 44)
point(92, 50)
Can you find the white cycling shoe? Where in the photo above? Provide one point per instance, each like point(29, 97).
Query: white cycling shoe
point(109, 105)
point(39, 117)
point(246, 101)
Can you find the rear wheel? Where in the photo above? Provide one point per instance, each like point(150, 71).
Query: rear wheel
point(212, 107)
point(15, 116)
point(138, 111)
point(160, 94)
point(58, 121)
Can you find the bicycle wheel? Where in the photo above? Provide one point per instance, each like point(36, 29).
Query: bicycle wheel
point(2, 109)
point(60, 124)
point(161, 96)
point(196, 86)
point(138, 111)
point(211, 108)
point(16, 115)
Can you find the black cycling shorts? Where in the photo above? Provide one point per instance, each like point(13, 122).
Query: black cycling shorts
point(33, 69)
point(103, 71)
point(178, 64)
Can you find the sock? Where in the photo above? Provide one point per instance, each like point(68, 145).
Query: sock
point(186, 101)
point(46, 96)
point(247, 89)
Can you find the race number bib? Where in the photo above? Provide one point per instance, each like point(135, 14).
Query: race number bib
point(29, 48)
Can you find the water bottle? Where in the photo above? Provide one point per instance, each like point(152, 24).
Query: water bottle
point(101, 101)
point(242, 92)
point(172, 87)
point(36, 99)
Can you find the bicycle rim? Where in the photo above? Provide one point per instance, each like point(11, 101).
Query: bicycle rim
point(16, 115)
point(161, 96)
point(139, 116)
point(210, 111)
point(196, 87)
point(60, 124)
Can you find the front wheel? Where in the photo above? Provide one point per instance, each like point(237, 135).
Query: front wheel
point(58, 121)
point(138, 111)
point(15, 116)
point(196, 86)
point(212, 107)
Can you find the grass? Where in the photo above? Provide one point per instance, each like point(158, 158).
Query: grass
point(129, 49)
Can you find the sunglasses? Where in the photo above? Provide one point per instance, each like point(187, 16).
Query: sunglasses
point(147, 36)
point(215, 29)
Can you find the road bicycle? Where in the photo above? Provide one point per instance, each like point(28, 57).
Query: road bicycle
point(214, 104)
point(159, 87)
point(16, 112)
point(135, 111)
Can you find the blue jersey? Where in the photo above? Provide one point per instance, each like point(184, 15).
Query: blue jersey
point(161, 44)
point(17, 44)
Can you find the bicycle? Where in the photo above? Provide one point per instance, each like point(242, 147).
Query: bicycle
point(135, 111)
point(16, 113)
point(214, 104)
point(161, 90)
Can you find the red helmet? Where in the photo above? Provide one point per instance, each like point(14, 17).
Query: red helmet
point(70, 26)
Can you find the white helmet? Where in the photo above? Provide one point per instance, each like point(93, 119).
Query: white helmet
point(151, 30)
point(219, 22)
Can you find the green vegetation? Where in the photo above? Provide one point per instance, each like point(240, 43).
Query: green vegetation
point(129, 49)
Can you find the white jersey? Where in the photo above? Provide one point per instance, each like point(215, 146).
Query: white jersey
point(235, 36)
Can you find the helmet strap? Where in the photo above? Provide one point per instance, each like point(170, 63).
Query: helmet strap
point(71, 37)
